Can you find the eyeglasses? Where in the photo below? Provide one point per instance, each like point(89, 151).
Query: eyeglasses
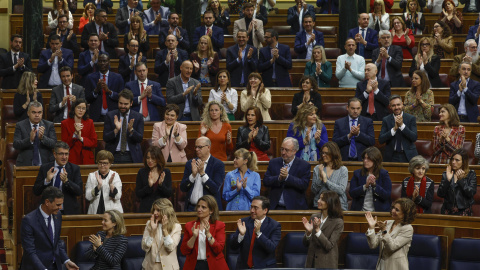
point(473, 47)
point(103, 164)
point(426, 44)
point(200, 146)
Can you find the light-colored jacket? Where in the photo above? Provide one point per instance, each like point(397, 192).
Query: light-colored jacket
point(110, 204)
point(263, 102)
point(172, 148)
point(154, 246)
point(258, 35)
point(384, 21)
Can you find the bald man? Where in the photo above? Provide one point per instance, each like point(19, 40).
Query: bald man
point(374, 94)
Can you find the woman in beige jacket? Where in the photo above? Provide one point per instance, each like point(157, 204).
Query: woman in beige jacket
point(394, 236)
point(161, 237)
point(256, 95)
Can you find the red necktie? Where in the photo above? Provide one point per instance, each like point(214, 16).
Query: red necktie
point(384, 63)
point(250, 256)
point(172, 66)
point(104, 94)
point(208, 30)
point(144, 104)
point(68, 99)
point(371, 106)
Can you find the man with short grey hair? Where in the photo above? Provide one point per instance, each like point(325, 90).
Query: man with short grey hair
point(470, 55)
point(288, 177)
point(388, 59)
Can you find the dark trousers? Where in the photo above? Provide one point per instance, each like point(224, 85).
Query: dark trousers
point(399, 157)
point(186, 118)
point(201, 265)
point(120, 157)
point(190, 207)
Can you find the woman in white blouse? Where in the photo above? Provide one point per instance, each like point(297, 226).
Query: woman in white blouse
point(435, 6)
point(379, 19)
point(104, 187)
point(59, 7)
point(224, 94)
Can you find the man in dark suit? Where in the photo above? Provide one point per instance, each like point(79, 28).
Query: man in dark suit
point(274, 62)
point(307, 39)
point(389, 60)
point(106, 31)
point(471, 6)
point(34, 138)
point(470, 55)
point(100, 4)
point(147, 94)
point(473, 31)
point(62, 175)
point(127, 62)
point(64, 95)
point(40, 234)
point(295, 13)
point(169, 60)
point(203, 175)
point(123, 3)
point(88, 59)
point(186, 93)
point(242, 60)
point(464, 94)
point(123, 131)
point(328, 6)
point(155, 17)
point(373, 91)
point(399, 132)
point(173, 29)
point(122, 19)
point(14, 63)
point(366, 38)
point(67, 37)
point(267, 233)
point(288, 178)
point(214, 32)
point(353, 133)
point(51, 61)
point(102, 88)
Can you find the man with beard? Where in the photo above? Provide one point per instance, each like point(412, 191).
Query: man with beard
point(275, 61)
point(214, 32)
point(14, 63)
point(173, 29)
point(470, 56)
point(67, 37)
point(253, 26)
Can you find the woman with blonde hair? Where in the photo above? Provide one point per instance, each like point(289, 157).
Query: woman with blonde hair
point(242, 184)
point(427, 61)
point(138, 33)
point(442, 41)
point(318, 67)
point(26, 92)
point(448, 136)
point(403, 37)
point(451, 16)
point(256, 95)
point(379, 19)
point(215, 126)
point(205, 62)
point(161, 237)
point(87, 16)
point(413, 18)
point(59, 7)
point(419, 99)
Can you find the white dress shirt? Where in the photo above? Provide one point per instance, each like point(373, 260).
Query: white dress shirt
point(198, 181)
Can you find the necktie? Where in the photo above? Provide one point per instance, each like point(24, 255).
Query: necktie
point(353, 146)
point(15, 58)
point(57, 179)
point(398, 138)
point(384, 63)
point(144, 104)
point(172, 66)
point(50, 229)
point(361, 48)
point(68, 99)
point(371, 104)
point(208, 30)
point(130, 12)
point(123, 138)
point(104, 94)
point(36, 143)
point(250, 255)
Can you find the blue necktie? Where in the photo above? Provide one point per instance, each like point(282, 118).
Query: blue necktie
point(362, 48)
point(353, 146)
point(398, 138)
point(50, 233)
point(36, 143)
point(57, 179)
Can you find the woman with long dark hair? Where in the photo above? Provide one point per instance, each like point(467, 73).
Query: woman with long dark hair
point(225, 94)
point(254, 135)
point(442, 41)
point(419, 99)
point(448, 136)
point(308, 95)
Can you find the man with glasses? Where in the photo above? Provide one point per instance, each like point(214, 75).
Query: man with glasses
point(464, 94)
point(106, 32)
point(388, 59)
point(203, 175)
point(67, 37)
point(64, 95)
point(62, 175)
point(470, 55)
point(288, 178)
point(127, 62)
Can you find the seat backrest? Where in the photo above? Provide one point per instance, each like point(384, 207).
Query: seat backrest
point(407, 79)
point(133, 258)
point(273, 147)
point(444, 79)
point(464, 254)
point(436, 112)
point(282, 29)
point(425, 252)
point(287, 111)
point(425, 149)
point(294, 252)
point(396, 191)
point(181, 258)
point(327, 30)
point(79, 252)
point(293, 53)
point(146, 143)
point(334, 111)
point(470, 147)
point(119, 51)
point(231, 254)
point(332, 53)
point(223, 53)
point(358, 254)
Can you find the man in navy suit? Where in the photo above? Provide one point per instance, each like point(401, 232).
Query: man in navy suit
point(328, 6)
point(40, 234)
point(106, 31)
point(295, 13)
point(399, 132)
point(214, 32)
point(122, 18)
point(173, 29)
point(203, 175)
point(241, 60)
point(389, 60)
point(102, 88)
point(67, 37)
point(123, 131)
point(147, 94)
point(267, 233)
point(274, 62)
point(14, 63)
point(51, 61)
point(464, 94)
point(353, 133)
point(473, 31)
point(373, 91)
point(288, 178)
point(307, 39)
point(155, 17)
point(366, 38)
point(169, 60)
point(88, 59)
point(127, 62)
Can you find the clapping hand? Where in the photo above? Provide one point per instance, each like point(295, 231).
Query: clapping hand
point(372, 221)
point(311, 39)
point(33, 132)
point(283, 173)
point(130, 125)
point(78, 128)
point(229, 137)
point(239, 184)
point(41, 131)
point(195, 230)
point(355, 130)
point(112, 187)
point(459, 174)
point(323, 175)
point(209, 61)
point(242, 229)
point(463, 83)
point(96, 240)
point(317, 135)
point(415, 193)
point(51, 173)
point(152, 177)
point(64, 176)
point(164, 225)
point(316, 223)
point(348, 66)
point(382, 225)
point(196, 65)
point(449, 173)
point(370, 180)
point(203, 128)
point(99, 180)
point(250, 53)
point(257, 225)
point(308, 225)
point(154, 223)
point(195, 90)
point(71, 266)
point(117, 123)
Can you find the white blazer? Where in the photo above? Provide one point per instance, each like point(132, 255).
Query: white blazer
point(110, 204)
point(384, 22)
point(164, 248)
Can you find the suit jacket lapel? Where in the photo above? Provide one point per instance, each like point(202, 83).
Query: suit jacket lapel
point(41, 221)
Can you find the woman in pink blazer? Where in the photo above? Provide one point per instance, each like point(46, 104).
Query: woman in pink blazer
point(171, 136)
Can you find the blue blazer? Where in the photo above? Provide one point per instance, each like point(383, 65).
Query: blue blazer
point(263, 253)
point(124, 67)
point(324, 6)
point(409, 136)
point(471, 33)
point(236, 69)
point(301, 145)
point(84, 68)
point(183, 44)
point(149, 18)
point(217, 37)
point(471, 98)
point(157, 98)
point(293, 188)
point(38, 248)
point(301, 39)
point(133, 140)
point(381, 193)
point(371, 37)
point(365, 139)
point(162, 69)
point(216, 174)
point(282, 65)
point(43, 67)
point(292, 17)
point(115, 83)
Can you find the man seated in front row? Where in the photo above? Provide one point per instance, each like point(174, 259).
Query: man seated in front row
point(64, 95)
point(350, 67)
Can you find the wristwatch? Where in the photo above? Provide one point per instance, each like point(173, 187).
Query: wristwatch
point(210, 238)
point(384, 232)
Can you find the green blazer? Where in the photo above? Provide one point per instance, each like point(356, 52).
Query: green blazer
point(323, 79)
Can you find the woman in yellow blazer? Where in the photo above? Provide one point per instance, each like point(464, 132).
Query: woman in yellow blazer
point(394, 236)
point(161, 237)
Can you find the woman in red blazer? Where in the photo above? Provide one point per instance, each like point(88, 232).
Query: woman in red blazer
point(211, 233)
point(79, 133)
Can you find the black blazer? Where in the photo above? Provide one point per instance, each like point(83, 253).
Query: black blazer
point(394, 67)
point(365, 139)
point(163, 69)
point(124, 67)
point(381, 101)
point(67, 44)
point(57, 98)
point(236, 69)
point(19, 100)
point(467, 4)
point(147, 194)
point(121, 19)
point(21, 142)
point(261, 141)
point(183, 44)
point(432, 68)
point(315, 98)
point(409, 136)
point(109, 43)
point(11, 78)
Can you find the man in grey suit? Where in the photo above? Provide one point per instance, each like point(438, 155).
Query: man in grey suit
point(64, 95)
point(34, 138)
point(186, 93)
